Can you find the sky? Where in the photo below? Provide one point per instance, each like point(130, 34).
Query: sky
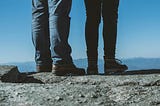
point(138, 30)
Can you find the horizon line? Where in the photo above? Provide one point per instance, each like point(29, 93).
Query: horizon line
point(3, 63)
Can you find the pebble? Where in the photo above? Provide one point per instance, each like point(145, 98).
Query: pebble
point(94, 96)
point(81, 95)
point(58, 98)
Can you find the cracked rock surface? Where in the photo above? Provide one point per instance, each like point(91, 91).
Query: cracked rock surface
point(45, 89)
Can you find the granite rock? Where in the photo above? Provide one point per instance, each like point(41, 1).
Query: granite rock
point(46, 89)
point(9, 73)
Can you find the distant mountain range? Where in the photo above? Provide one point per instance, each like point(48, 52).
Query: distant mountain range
point(133, 64)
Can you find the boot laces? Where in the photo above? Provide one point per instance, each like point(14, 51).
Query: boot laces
point(118, 61)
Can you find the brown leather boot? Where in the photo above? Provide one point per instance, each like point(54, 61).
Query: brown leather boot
point(67, 69)
point(44, 68)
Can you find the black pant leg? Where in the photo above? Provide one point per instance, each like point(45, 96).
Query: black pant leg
point(110, 17)
point(93, 13)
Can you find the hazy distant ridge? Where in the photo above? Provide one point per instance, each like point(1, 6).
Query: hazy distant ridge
point(133, 64)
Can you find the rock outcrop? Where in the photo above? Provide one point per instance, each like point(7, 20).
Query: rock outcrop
point(137, 88)
point(9, 73)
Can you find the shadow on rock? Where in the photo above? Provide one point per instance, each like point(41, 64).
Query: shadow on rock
point(148, 71)
point(137, 72)
point(26, 78)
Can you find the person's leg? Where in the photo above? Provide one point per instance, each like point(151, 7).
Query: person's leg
point(110, 17)
point(93, 12)
point(59, 33)
point(40, 35)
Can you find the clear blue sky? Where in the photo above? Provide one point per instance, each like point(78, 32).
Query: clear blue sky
point(138, 30)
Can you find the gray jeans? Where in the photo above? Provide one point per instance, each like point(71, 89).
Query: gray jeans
point(50, 31)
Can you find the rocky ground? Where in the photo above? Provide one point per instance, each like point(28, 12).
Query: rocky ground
point(44, 89)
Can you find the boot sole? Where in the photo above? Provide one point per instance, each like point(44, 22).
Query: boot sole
point(71, 72)
point(114, 71)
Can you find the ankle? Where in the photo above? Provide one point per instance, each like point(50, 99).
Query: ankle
point(92, 70)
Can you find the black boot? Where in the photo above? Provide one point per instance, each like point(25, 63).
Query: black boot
point(92, 68)
point(114, 66)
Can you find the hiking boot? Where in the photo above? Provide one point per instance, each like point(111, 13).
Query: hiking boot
point(67, 69)
point(114, 66)
point(92, 70)
point(44, 68)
